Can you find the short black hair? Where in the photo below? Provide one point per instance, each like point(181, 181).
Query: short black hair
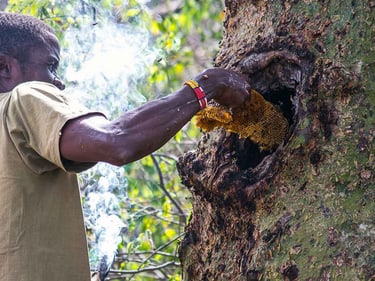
point(18, 33)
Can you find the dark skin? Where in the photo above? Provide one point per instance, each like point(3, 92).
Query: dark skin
point(136, 133)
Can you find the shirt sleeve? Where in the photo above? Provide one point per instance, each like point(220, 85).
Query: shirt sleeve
point(36, 114)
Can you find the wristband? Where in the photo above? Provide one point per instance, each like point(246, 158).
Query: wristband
point(199, 93)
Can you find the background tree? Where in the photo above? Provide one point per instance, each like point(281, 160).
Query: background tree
point(306, 209)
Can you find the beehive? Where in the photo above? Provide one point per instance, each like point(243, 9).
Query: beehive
point(257, 119)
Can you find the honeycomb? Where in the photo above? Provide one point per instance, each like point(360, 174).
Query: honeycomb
point(257, 119)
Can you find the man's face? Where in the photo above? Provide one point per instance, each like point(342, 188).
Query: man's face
point(42, 64)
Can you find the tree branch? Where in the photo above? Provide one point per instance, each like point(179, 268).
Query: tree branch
point(156, 251)
point(162, 186)
point(146, 269)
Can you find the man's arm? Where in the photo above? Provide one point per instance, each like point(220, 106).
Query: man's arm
point(141, 131)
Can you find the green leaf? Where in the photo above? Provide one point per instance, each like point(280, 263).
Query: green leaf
point(132, 12)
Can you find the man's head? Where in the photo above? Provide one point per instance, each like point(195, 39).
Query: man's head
point(29, 50)
point(19, 33)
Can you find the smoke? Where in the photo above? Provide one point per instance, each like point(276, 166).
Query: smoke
point(106, 64)
point(103, 64)
point(104, 190)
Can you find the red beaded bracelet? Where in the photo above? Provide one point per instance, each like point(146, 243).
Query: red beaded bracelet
point(199, 93)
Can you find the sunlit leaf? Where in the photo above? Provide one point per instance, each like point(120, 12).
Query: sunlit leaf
point(155, 28)
point(178, 136)
point(170, 233)
point(179, 68)
point(132, 12)
point(70, 20)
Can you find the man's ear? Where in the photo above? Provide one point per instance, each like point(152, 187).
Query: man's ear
point(10, 70)
point(5, 66)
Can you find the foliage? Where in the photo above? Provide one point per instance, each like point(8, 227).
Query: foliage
point(186, 34)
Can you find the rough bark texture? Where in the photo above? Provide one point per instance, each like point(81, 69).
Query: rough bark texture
point(306, 210)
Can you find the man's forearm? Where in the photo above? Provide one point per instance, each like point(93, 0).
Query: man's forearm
point(131, 136)
point(147, 128)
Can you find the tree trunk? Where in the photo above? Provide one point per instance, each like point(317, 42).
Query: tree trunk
point(304, 211)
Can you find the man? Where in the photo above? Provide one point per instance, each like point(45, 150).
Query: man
point(45, 138)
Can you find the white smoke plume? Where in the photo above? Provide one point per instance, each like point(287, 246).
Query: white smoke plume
point(103, 64)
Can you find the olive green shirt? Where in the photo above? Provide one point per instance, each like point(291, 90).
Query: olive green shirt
point(42, 235)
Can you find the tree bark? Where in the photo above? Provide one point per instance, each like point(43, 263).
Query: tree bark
point(306, 210)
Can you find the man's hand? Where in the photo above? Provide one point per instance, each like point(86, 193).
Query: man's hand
point(224, 86)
